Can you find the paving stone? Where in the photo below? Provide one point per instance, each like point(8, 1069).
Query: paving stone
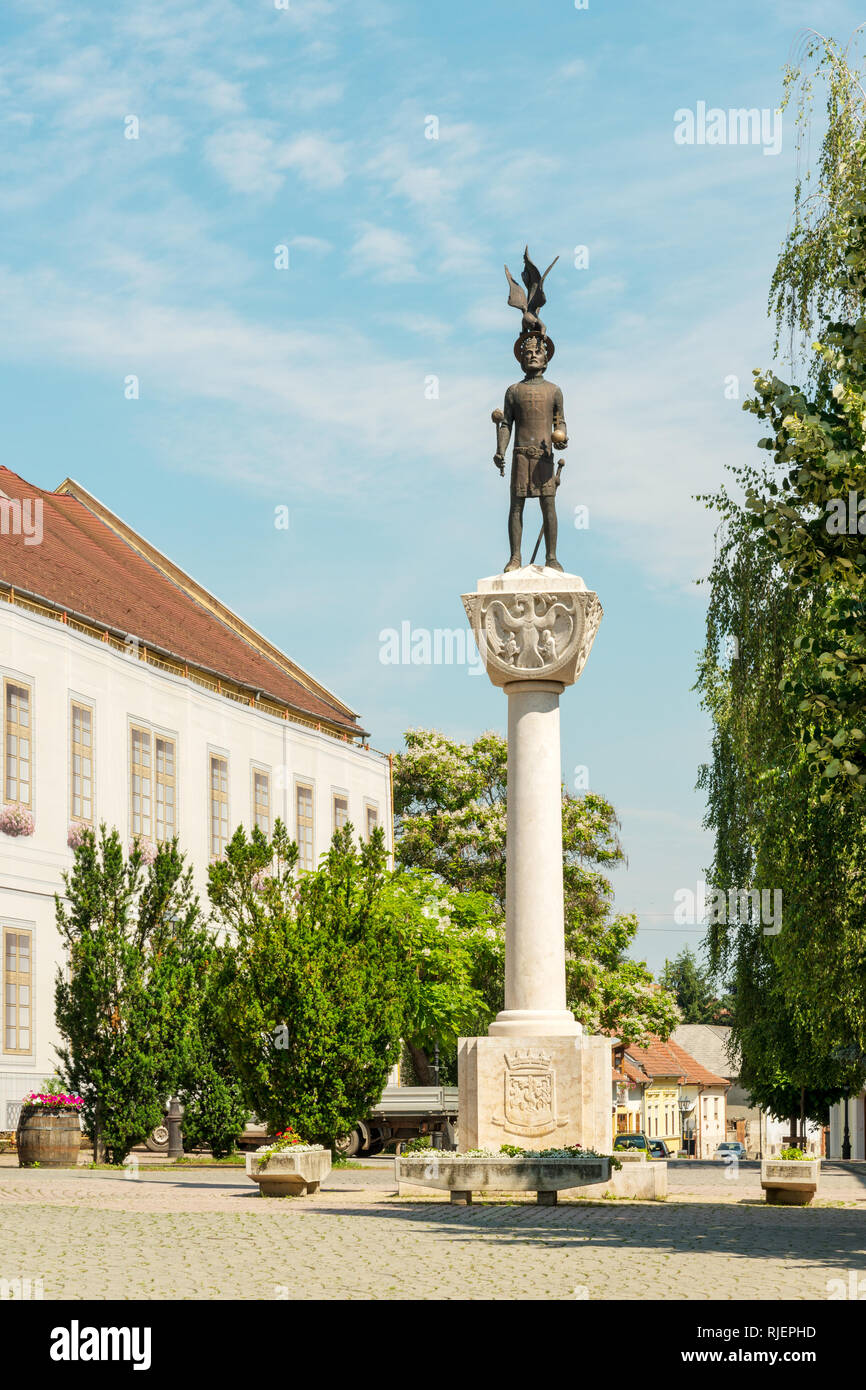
point(209, 1235)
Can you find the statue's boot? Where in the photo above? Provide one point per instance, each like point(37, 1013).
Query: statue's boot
point(513, 564)
point(551, 563)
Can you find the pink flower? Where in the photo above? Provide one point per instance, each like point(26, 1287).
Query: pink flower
point(17, 820)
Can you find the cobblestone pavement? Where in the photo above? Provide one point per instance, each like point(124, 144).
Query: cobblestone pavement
point(206, 1234)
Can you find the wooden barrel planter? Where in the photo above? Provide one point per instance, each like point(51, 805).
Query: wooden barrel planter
point(50, 1138)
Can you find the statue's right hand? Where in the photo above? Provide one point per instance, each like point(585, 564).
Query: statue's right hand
point(500, 462)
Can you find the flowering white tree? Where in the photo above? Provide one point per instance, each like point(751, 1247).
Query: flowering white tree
point(450, 803)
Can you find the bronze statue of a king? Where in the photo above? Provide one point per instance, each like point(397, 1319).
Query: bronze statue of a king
point(533, 409)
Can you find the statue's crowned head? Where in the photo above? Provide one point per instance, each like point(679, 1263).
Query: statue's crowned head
point(533, 351)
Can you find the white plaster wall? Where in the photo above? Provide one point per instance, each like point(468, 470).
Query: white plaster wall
point(59, 663)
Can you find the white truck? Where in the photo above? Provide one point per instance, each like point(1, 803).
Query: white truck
point(405, 1112)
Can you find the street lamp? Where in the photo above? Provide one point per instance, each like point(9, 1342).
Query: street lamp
point(846, 1136)
point(436, 1138)
point(684, 1108)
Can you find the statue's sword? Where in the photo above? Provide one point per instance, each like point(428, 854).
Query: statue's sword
point(559, 468)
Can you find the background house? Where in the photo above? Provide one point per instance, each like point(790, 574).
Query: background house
point(763, 1134)
point(132, 696)
point(680, 1100)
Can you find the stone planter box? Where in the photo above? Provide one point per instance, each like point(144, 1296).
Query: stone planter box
point(49, 1138)
point(461, 1176)
point(790, 1182)
point(289, 1174)
point(643, 1181)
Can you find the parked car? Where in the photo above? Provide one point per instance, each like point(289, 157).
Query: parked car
point(730, 1146)
point(632, 1141)
point(659, 1149)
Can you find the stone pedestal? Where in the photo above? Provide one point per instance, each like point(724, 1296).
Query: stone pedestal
point(534, 1091)
point(534, 629)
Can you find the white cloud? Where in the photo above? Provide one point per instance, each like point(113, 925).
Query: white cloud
point(249, 159)
point(648, 422)
point(387, 254)
point(316, 245)
point(243, 157)
point(316, 159)
point(309, 96)
point(217, 93)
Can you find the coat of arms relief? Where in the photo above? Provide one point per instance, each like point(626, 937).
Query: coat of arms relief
point(529, 1102)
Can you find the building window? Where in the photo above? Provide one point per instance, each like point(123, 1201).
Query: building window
point(341, 812)
point(262, 801)
point(17, 735)
point(140, 781)
point(17, 1023)
point(304, 826)
point(81, 764)
point(372, 820)
point(165, 787)
point(219, 804)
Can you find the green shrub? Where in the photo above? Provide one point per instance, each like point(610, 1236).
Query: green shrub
point(314, 987)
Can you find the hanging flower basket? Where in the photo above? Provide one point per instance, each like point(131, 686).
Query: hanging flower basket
point(76, 834)
point(17, 820)
point(146, 849)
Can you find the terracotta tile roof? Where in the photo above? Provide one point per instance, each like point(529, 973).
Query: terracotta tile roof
point(87, 567)
point(660, 1058)
point(630, 1074)
point(633, 1072)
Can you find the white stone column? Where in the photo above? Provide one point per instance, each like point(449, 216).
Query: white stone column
point(535, 947)
point(537, 1079)
point(534, 628)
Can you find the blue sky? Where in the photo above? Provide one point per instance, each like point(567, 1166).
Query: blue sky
point(308, 387)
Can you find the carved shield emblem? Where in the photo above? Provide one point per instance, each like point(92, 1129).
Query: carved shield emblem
point(530, 1094)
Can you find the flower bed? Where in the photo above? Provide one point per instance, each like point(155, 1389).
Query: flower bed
point(17, 820)
point(57, 1103)
point(790, 1182)
point(545, 1172)
point(290, 1167)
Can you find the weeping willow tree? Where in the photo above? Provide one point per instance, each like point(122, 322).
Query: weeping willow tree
point(772, 832)
point(783, 785)
point(808, 288)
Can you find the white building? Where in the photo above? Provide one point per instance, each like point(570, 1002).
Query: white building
point(856, 1127)
point(132, 696)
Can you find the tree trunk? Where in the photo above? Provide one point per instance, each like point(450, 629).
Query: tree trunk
point(792, 1124)
point(421, 1065)
point(802, 1117)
